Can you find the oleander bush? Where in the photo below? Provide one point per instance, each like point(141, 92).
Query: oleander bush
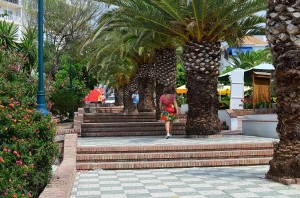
point(27, 148)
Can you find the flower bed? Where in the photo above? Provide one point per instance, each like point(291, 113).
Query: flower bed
point(27, 148)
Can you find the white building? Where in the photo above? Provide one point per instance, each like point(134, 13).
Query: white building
point(14, 11)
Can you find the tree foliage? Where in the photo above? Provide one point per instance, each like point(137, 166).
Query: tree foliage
point(246, 60)
point(66, 25)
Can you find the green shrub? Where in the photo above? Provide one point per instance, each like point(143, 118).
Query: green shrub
point(224, 104)
point(27, 148)
point(65, 102)
point(181, 99)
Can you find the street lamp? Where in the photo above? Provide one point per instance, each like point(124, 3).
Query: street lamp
point(41, 104)
point(70, 74)
point(71, 113)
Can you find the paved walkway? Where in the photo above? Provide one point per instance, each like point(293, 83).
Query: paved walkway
point(176, 139)
point(212, 182)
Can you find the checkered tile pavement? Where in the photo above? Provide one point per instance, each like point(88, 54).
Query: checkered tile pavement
point(212, 182)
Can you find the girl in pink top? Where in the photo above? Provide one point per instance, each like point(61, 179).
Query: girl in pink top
point(169, 108)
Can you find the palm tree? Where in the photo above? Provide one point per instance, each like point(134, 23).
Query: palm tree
point(28, 47)
point(141, 56)
point(110, 52)
point(201, 25)
point(246, 60)
point(117, 75)
point(283, 38)
point(164, 59)
point(8, 35)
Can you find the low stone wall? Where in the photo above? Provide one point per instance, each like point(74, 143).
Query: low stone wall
point(68, 131)
point(261, 125)
point(61, 183)
point(242, 112)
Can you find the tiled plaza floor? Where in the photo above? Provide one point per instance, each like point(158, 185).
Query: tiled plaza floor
point(176, 139)
point(216, 182)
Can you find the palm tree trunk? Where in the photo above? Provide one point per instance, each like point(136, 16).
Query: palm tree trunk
point(146, 91)
point(119, 96)
point(165, 72)
point(201, 61)
point(283, 35)
point(127, 93)
point(146, 87)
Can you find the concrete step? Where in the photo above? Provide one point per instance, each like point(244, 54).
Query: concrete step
point(174, 164)
point(111, 120)
point(118, 117)
point(129, 133)
point(128, 124)
point(173, 156)
point(173, 148)
point(165, 156)
point(128, 129)
point(103, 109)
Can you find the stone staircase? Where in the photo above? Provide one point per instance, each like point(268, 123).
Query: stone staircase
point(128, 129)
point(153, 155)
point(172, 156)
point(118, 124)
point(118, 117)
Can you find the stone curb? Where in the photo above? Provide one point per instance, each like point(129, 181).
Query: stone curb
point(61, 183)
point(285, 181)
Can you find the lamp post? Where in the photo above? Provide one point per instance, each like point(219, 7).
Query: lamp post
point(41, 104)
point(71, 113)
point(71, 77)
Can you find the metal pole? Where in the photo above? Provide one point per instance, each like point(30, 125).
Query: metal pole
point(71, 113)
point(71, 77)
point(41, 104)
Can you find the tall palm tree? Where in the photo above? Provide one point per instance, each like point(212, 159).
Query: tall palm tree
point(117, 75)
point(111, 49)
point(201, 25)
point(164, 58)
point(165, 65)
point(283, 35)
point(141, 53)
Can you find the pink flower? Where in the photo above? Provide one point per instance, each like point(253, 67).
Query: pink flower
point(9, 115)
point(5, 149)
point(19, 163)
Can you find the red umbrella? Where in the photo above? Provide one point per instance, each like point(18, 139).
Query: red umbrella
point(93, 96)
